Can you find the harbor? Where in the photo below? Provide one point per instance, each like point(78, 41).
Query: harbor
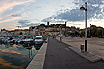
point(51, 34)
point(17, 53)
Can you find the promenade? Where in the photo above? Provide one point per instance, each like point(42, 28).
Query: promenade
point(59, 56)
point(95, 45)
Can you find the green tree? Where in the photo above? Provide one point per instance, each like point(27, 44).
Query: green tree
point(99, 32)
point(20, 33)
point(93, 32)
point(82, 34)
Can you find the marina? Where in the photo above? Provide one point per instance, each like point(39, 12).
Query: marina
point(17, 54)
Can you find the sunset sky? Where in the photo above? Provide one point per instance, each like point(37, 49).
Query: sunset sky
point(27, 13)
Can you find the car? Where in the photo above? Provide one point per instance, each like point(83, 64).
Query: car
point(38, 40)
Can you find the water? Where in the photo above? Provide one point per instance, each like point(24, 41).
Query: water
point(15, 56)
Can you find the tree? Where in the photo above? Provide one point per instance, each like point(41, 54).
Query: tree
point(82, 34)
point(42, 25)
point(99, 32)
point(93, 32)
point(20, 33)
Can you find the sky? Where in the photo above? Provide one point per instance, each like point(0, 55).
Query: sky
point(26, 13)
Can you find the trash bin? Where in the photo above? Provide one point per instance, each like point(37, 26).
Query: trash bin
point(82, 47)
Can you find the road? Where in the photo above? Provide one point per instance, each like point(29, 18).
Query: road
point(58, 56)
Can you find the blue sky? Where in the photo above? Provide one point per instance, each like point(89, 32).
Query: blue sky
point(27, 13)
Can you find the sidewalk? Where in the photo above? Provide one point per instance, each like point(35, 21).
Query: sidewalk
point(59, 56)
point(95, 45)
point(38, 60)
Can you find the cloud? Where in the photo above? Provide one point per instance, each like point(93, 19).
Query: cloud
point(13, 27)
point(12, 16)
point(10, 19)
point(9, 4)
point(6, 5)
point(16, 15)
point(32, 24)
point(27, 23)
point(24, 24)
point(95, 11)
point(38, 7)
point(23, 21)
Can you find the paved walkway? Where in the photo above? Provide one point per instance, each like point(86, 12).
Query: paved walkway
point(58, 56)
point(95, 45)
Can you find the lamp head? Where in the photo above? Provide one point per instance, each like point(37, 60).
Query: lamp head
point(82, 8)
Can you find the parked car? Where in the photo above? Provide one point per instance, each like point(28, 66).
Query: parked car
point(38, 40)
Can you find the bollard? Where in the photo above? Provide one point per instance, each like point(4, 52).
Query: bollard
point(60, 38)
point(82, 48)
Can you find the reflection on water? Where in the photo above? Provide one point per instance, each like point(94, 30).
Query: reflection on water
point(16, 56)
point(6, 64)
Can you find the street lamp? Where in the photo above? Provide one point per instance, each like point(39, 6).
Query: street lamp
point(19, 27)
point(90, 30)
point(60, 31)
point(85, 8)
point(65, 28)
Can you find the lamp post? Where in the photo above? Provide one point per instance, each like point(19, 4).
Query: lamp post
point(85, 8)
point(65, 29)
point(60, 31)
point(90, 30)
point(18, 28)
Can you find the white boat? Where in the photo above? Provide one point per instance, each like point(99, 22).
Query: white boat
point(38, 40)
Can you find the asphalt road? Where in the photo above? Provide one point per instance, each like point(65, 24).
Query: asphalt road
point(58, 56)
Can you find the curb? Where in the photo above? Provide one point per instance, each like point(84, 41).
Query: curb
point(89, 56)
point(38, 60)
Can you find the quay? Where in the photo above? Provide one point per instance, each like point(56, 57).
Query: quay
point(38, 60)
point(59, 55)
